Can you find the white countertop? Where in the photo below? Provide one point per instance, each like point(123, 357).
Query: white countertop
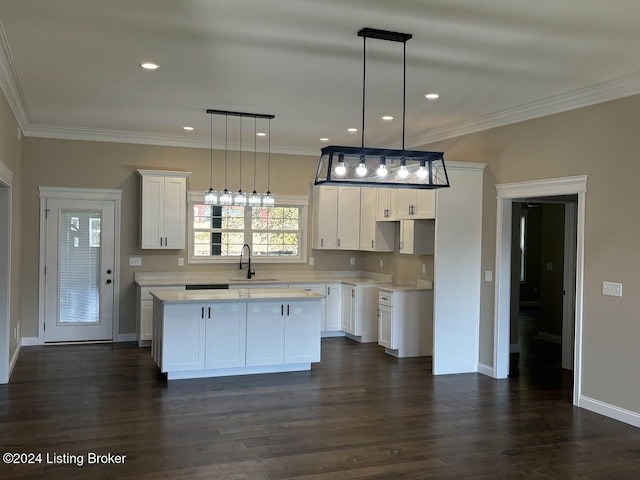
point(244, 295)
point(405, 289)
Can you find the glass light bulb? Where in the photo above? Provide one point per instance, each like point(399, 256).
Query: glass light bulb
point(268, 200)
point(240, 199)
point(422, 173)
point(225, 198)
point(340, 169)
point(361, 170)
point(254, 199)
point(211, 198)
point(403, 172)
point(382, 171)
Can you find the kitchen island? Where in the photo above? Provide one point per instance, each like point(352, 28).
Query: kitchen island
point(211, 333)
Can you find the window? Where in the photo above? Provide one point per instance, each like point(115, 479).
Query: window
point(275, 234)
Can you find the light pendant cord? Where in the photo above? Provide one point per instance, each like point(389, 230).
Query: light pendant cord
point(240, 188)
point(226, 132)
point(255, 148)
point(404, 88)
point(364, 80)
point(211, 151)
point(269, 161)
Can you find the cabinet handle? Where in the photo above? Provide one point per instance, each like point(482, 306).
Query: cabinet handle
point(281, 310)
point(160, 241)
point(166, 242)
point(401, 245)
point(378, 313)
point(338, 242)
point(328, 290)
point(287, 310)
point(209, 312)
point(353, 293)
point(202, 312)
point(386, 213)
point(371, 243)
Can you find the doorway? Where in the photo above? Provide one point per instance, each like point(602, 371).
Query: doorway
point(507, 194)
point(79, 275)
point(543, 267)
point(5, 272)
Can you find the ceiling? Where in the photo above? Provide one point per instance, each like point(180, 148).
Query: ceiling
point(70, 68)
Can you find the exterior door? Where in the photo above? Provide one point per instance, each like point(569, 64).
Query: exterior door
point(79, 270)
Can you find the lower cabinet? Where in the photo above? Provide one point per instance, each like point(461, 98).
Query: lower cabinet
point(144, 312)
point(183, 335)
point(265, 333)
point(333, 307)
point(301, 332)
point(359, 312)
point(225, 335)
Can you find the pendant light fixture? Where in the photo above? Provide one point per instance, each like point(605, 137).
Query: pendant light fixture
point(268, 200)
point(255, 199)
point(377, 166)
point(240, 198)
point(225, 197)
point(211, 196)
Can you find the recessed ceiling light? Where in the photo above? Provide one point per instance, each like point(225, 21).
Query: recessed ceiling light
point(149, 66)
point(188, 129)
point(352, 130)
point(261, 134)
point(387, 118)
point(324, 139)
point(432, 96)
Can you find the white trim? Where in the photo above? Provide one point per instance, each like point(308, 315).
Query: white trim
point(601, 92)
point(6, 175)
point(30, 341)
point(89, 194)
point(14, 359)
point(71, 193)
point(163, 173)
point(6, 222)
point(145, 138)
point(225, 372)
point(485, 369)
point(287, 200)
point(608, 410)
point(465, 165)
point(10, 83)
point(550, 337)
point(506, 194)
point(126, 337)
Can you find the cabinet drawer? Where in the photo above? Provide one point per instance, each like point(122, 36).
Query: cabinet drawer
point(385, 298)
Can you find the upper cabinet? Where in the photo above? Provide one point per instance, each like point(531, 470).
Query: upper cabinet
point(163, 209)
point(336, 217)
point(383, 205)
point(375, 236)
point(415, 204)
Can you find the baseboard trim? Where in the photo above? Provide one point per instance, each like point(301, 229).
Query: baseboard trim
point(127, 337)
point(486, 370)
point(514, 348)
point(549, 337)
point(611, 411)
point(30, 341)
point(13, 361)
point(331, 333)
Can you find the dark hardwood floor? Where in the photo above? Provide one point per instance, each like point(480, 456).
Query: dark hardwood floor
point(358, 414)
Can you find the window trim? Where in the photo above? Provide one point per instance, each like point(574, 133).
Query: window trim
point(280, 201)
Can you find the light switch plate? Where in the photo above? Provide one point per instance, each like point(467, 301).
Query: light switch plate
point(381, 263)
point(352, 260)
point(612, 289)
point(488, 276)
point(312, 261)
point(135, 261)
point(181, 262)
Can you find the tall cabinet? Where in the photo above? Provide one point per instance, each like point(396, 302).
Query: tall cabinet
point(163, 209)
point(336, 217)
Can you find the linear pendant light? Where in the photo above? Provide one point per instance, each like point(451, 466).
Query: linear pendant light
point(377, 166)
point(226, 198)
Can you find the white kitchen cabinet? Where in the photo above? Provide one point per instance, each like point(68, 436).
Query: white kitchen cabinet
point(384, 212)
point(333, 307)
point(336, 217)
point(186, 349)
point(163, 210)
point(144, 312)
point(265, 333)
point(225, 335)
point(301, 332)
point(317, 288)
point(375, 236)
point(413, 203)
point(359, 312)
point(417, 237)
point(405, 322)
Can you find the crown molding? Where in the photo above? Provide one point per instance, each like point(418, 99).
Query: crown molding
point(146, 138)
point(6, 175)
point(10, 83)
point(543, 188)
point(601, 92)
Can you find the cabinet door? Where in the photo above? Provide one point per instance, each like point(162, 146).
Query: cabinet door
point(174, 212)
point(368, 198)
point(325, 211)
point(333, 308)
point(316, 288)
point(346, 321)
point(348, 218)
point(383, 204)
point(151, 229)
point(405, 198)
point(407, 236)
point(183, 337)
point(425, 204)
point(385, 332)
point(146, 320)
point(302, 332)
point(225, 335)
point(265, 333)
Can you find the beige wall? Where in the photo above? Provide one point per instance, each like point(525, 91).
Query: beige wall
point(111, 165)
point(10, 155)
point(602, 142)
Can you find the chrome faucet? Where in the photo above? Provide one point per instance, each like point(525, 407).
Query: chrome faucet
point(249, 271)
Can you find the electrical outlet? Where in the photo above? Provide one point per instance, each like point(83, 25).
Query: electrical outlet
point(181, 262)
point(352, 260)
point(488, 276)
point(612, 289)
point(381, 263)
point(424, 269)
point(312, 261)
point(135, 261)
